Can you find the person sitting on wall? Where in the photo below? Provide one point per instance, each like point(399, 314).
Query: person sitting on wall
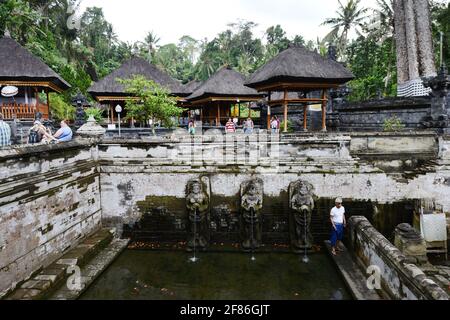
point(37, 132)
point(64, 134)
point(230, 127)
point(338, 221)
point(5, 133)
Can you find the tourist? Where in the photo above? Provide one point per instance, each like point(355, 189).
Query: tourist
point(338, 221)
point(278, 124)
point(274, 125)
point(230, 127)
point(192, 127)
point(37, 132)
point(5, 133)
point(249, 126)
point(64, 134)
point(236, 121)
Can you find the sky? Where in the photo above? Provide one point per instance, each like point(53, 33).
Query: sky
point(172, 19)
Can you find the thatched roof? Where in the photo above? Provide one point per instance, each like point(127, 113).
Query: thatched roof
point(17, 64)
point(297, 64)
point(224, 83)
point(109, 86)
point(191, 86)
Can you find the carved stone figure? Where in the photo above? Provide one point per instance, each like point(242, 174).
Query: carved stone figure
point(301, 202)
point(251, 205)
point(197, 204)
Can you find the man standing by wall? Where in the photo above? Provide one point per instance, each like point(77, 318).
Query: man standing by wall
point(338, 221)
point(5, 133)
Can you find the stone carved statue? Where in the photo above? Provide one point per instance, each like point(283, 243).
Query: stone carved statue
point(251, 205)
point(197, 204)
point(301, 202)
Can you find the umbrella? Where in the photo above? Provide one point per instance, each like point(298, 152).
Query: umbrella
point(10, 91)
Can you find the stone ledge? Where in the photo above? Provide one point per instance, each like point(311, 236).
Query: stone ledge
point(411, 276)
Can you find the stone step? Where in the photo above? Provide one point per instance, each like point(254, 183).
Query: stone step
point(91, 271)
point(41, 285)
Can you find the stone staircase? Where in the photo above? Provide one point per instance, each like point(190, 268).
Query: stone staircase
point(45, 283)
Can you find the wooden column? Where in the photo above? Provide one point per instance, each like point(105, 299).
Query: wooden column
point(269, 111)
point(36, 95)
point(324, 110)
point(218, 114)
point(305, 117)
point(285, 102)
point(48, 105)
point(112, 113)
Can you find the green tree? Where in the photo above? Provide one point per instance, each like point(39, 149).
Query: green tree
point(150, 102)
point(348, 17)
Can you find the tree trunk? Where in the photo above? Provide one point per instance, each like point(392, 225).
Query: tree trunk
point(400, 42)
point(411, 40)
point(425, 43)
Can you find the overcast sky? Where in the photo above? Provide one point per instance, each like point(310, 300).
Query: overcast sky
point(171, 19)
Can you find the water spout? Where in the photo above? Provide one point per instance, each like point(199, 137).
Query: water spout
point(194, 259)
point(252, 213)
point(305, 257)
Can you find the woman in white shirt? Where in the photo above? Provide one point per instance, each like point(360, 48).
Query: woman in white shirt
point(338, 221)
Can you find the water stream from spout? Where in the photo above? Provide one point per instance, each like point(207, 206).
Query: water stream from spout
point(194, 258)
point(252, 212)
point(305, 257)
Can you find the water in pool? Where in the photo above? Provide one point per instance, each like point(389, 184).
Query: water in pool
point(152, 275)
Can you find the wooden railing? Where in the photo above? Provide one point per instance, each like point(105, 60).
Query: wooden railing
point(22, 111)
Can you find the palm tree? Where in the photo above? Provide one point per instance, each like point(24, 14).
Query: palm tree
point(349, 16)
point(151, 41)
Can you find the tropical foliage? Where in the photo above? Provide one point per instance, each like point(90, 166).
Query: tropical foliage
point(86, 51)
point(150, 102)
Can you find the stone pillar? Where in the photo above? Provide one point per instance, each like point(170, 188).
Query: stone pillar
point(411, 244)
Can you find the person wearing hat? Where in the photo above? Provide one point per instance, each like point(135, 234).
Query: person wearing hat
point(338, 221)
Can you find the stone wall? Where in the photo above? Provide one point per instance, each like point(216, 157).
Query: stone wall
point(400, 279)
point(49, 201)
point(371, 115)
point(148, 179)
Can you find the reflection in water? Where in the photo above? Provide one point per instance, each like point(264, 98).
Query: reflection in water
point(218, 276)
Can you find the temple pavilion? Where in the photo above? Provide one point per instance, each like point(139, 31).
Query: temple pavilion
point(222, 97)
point(108, 91)
point(23, 77)
point(294, 77)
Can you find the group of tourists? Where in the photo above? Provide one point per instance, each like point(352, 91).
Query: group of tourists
point(230, 127)
point(38, 133)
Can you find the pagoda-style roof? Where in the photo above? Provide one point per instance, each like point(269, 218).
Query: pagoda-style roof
point(109, 88)
point(225, 85)
point(299, 68)
point(19, 67)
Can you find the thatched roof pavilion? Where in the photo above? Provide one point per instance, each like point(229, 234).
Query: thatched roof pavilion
point(22, 69)
point(300, 70)
point(220, 91)
point(109, 91)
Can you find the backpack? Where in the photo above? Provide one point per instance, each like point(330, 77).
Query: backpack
point(34, 137)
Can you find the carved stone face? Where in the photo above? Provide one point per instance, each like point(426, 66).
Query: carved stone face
point(252, 189)
point(196, 188)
